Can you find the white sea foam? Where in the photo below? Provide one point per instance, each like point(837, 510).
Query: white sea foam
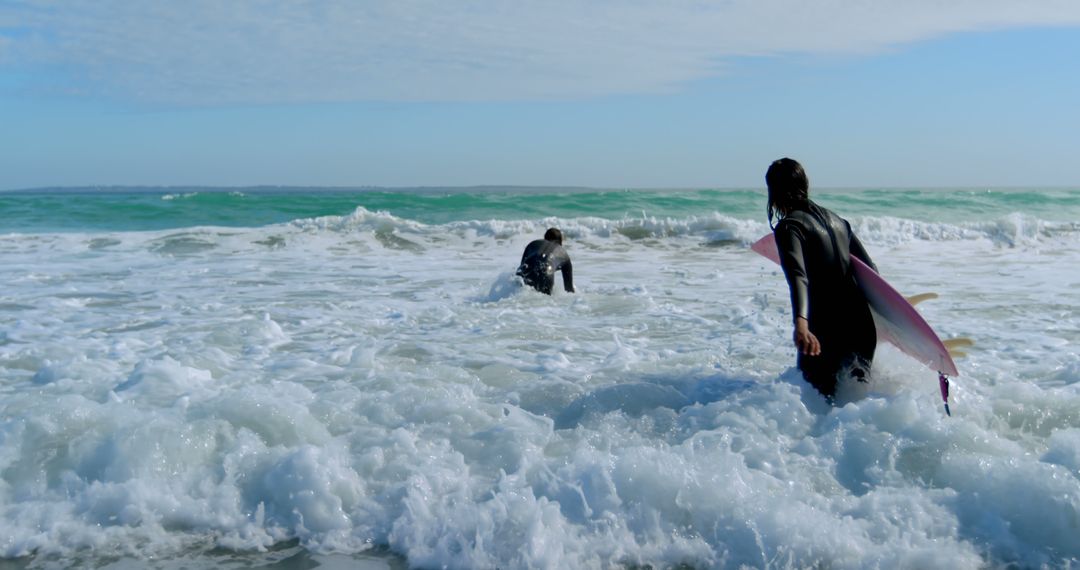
point(361, 381)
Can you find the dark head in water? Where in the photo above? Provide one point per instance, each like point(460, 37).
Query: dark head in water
point(553, 234)
point(788, 187)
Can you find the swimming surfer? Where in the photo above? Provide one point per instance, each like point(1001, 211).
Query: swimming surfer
point(834, 331)
point(542, 258)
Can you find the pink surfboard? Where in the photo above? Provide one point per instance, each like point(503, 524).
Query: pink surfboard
point(896, 320)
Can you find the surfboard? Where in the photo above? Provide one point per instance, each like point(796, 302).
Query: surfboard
point(897, 321)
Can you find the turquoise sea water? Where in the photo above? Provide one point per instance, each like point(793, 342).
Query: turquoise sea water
point(134, 209)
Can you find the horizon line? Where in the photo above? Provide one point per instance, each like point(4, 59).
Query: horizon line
point(269, 188)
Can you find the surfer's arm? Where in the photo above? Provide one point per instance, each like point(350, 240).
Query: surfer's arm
point(789, 244)
point(859, 251)
point(568, 276)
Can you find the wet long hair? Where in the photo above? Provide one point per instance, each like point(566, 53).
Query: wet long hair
point(789, 188)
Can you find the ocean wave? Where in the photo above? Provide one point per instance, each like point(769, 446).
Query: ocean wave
point(209, 196)
point(365, 380)
point(710, 228)
point(377, 230)
point(714, 229)
point(1011, 230)
point(180, 196)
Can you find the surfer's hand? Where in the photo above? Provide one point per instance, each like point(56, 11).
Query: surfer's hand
point(805, 340)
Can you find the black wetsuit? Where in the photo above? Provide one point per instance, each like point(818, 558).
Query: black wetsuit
point(542, 258)
point(815, 248)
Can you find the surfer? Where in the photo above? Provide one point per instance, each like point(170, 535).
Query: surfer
point(834, 330)
point(542, 258)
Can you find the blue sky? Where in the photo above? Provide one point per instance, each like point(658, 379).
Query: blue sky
point(605, 93)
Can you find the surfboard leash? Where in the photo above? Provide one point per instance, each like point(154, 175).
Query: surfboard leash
point(943, 383)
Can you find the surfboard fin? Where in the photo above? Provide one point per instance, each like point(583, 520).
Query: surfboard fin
point(916, 299)
point(958, 342)
point(943, 383)
point(953, 345)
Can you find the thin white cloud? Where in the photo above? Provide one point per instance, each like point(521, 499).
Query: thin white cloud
point(210, 52)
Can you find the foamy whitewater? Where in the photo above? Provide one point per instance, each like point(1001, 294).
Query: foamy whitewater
point(374, 384)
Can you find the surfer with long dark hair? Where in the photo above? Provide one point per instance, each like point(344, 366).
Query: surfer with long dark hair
point(834, 331)
point(542, 258)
